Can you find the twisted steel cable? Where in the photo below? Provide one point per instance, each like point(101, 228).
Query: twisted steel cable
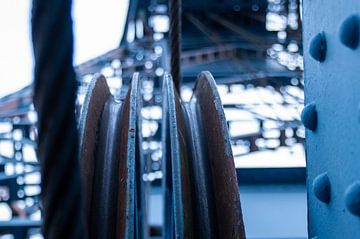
point(54, 99)
point(175, 41)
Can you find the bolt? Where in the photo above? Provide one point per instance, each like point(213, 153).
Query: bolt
point(349, 32)
point(352, 198)
point(309, 116)
point(322, 187)
point(318, 47)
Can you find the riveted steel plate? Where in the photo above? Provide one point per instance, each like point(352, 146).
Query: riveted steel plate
point(332, 66)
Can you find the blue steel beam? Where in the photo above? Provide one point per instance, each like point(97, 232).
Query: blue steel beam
point(331, 115)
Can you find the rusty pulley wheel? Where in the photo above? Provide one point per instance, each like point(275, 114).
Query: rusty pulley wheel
point(108, 152)
point(202, 198)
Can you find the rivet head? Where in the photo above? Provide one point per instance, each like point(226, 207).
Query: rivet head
point(349, 32)
point(322, 187)
point(318, 47)
point(309, 116)
point(352, 198)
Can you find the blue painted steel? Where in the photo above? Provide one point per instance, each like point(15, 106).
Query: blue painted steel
point(332, 84)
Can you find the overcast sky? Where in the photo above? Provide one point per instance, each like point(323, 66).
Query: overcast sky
point(98, 29)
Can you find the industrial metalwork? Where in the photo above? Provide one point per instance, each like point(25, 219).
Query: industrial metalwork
point(200, 177)
point(331, 116)
point(108, 153)
point(137, 134)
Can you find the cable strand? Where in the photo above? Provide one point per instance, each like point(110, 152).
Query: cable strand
point(55, 90)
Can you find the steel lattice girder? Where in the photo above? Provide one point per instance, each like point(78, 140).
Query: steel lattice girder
point(108, 152)
point(331, 116)
point(201, 192)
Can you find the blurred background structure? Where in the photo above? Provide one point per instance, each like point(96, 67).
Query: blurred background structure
point(253, 48)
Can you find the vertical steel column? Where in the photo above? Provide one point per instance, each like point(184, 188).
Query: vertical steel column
point(332, 117)
point(54, 99)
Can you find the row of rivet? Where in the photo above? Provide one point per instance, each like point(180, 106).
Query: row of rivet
point(349, 36)
point(322, 190)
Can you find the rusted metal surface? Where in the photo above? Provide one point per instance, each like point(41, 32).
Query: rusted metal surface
point(205, 107)
point(202, 199)
point(108, 129)
point(98, 93)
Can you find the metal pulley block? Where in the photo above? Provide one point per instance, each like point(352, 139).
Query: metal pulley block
point(200, 185)
point(202, 198)
point(108, 152)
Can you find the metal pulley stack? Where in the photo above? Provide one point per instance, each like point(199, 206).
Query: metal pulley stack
point(202, 199)
point(201, 193)
point(109, 154)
